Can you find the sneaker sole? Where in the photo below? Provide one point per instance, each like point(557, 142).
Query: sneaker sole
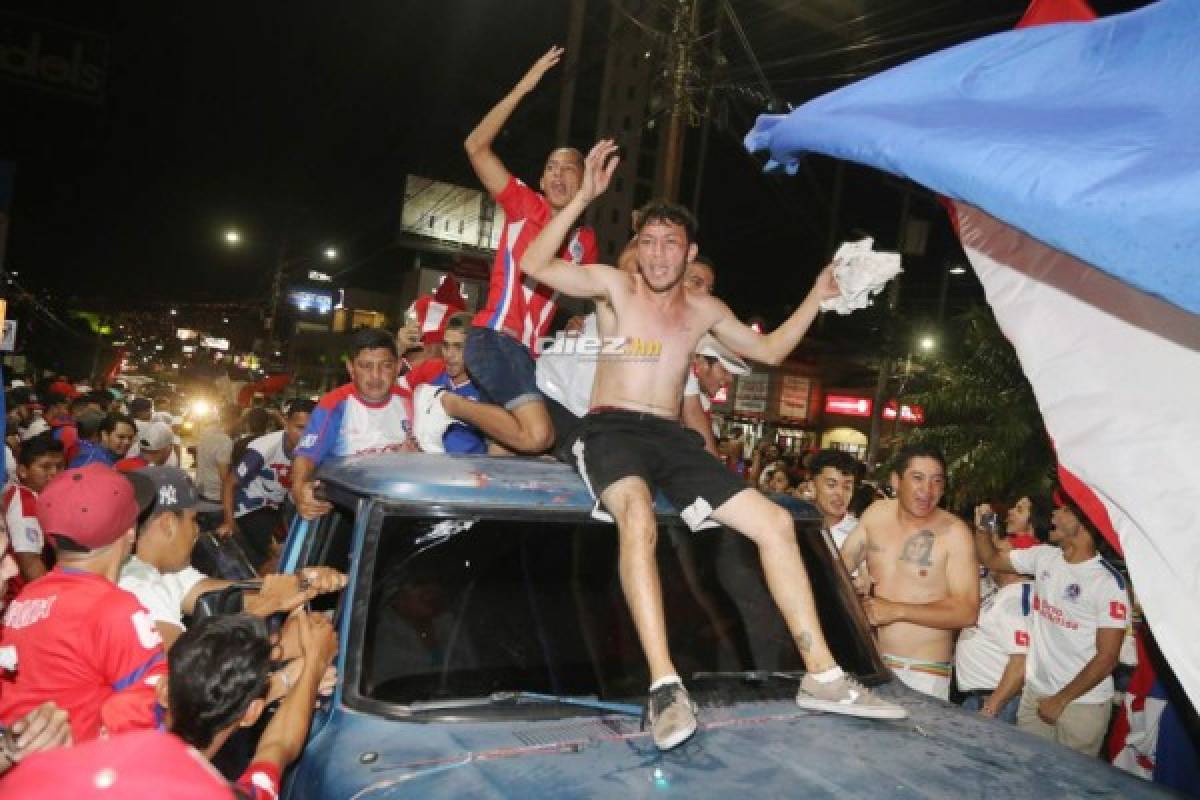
point(679, 738)
point(850, 710)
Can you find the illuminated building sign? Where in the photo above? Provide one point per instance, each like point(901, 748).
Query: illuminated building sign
point(854, 406)
point(311, 302)
point(214, 343)
point(847, 405)
point(914, 415)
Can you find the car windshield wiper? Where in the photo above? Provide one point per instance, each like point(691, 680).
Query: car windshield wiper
point(517, 697)
point(749, 676)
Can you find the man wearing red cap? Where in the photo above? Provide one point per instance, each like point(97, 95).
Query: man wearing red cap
point(79, 640)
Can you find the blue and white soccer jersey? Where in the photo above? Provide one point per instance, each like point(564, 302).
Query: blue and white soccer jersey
point(344, 424)
point(263, 475)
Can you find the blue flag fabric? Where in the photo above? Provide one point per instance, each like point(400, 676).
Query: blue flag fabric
point(1083, 135)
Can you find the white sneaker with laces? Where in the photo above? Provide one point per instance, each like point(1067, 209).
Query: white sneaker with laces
point(430, 419)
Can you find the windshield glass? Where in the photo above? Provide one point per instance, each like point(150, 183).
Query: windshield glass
point(467, 608)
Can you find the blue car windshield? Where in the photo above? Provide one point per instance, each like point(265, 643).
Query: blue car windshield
point(466, 608)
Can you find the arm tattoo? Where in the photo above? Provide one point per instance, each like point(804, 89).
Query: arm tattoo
point(805, 642)
point(919, 549)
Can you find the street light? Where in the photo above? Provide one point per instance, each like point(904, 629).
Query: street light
point(928, 343)
point(233, 237)
point(331, 253)
point(958, 269)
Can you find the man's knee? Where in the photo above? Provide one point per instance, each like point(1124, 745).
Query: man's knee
point(632, 506)
point(775, 526)
point(537, 430)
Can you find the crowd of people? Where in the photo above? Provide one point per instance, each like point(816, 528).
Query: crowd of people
point(100, 633)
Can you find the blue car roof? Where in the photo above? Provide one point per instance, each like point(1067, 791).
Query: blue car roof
point(515, 483)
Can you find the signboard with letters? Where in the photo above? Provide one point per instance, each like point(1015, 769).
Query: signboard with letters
point(750, 395)
point(793, 397)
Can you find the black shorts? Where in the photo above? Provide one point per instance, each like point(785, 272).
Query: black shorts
point(566, 425)
point(611, 445)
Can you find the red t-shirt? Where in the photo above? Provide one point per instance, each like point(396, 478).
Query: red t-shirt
point(261, 781)
point(517, 304)
point(89, 646)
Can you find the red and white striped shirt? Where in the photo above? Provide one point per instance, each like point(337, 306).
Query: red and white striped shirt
point(517, 304)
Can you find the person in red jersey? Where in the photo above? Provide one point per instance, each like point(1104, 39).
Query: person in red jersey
point(76, 637)
point(500, 348)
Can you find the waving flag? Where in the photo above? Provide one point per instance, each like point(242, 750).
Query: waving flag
point(1071, 155)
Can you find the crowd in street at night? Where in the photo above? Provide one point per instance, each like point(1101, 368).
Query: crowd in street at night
point(1015, 608)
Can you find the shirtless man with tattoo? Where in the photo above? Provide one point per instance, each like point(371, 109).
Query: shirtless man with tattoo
point(631, 442)
point(925, 576)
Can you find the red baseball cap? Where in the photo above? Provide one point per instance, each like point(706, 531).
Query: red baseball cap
point(90, 507)
point(130, 766)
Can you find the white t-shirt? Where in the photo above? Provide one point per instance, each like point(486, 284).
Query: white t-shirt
point(20, 517)
point(983, 649)
point(567, 378)
point(1071, 602)
point(212, 452)
point(842, 530)
point(161, 595)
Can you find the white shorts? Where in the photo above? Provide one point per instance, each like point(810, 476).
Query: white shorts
point(928, 677)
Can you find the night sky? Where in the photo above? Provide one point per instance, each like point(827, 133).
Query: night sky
point(303, 118)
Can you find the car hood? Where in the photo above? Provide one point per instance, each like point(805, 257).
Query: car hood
point(772, 749)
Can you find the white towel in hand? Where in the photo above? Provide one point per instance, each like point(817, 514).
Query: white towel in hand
point(861, 273)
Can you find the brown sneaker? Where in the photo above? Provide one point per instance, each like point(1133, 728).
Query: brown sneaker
point(845, 696)
point(671, 715)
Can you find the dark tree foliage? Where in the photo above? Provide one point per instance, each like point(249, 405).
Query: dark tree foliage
point(981, 411)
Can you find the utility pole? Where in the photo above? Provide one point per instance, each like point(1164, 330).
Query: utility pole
point(705, 129)
point(570, 72)
point(679, 65)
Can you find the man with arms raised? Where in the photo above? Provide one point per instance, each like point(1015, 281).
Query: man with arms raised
point(1078, 620)
point(518, 311)
point(924, 575)
point(632, 442)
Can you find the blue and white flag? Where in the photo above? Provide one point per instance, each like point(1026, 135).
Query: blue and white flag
point(1072, 155)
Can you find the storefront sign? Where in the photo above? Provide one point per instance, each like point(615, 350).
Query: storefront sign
point(848, 405)
point(750, 397)
point(913, 415)
point(793, 397)
point(855, 406)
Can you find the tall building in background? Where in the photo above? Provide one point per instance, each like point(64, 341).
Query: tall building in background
point(627, 107)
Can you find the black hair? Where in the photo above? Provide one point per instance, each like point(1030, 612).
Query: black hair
point(372, 339)
point(54, 399)
point(216, 668)
point(301, 405)
point(256, 421)
point(78, 403)
point(665, 211)
point(864, 495)
point(840, 460)
point(101, 397)
point(460, 321)
point(1040, 509)
point(88, 424)
point(34, 448)
point(111, 421)
point(916, 450)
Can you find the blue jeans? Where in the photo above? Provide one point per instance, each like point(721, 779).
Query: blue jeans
point(501, 368)
point(974, 702)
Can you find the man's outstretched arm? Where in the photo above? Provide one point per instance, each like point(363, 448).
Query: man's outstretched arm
point(774, 347)
point(541, 261)
point(487, 165)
